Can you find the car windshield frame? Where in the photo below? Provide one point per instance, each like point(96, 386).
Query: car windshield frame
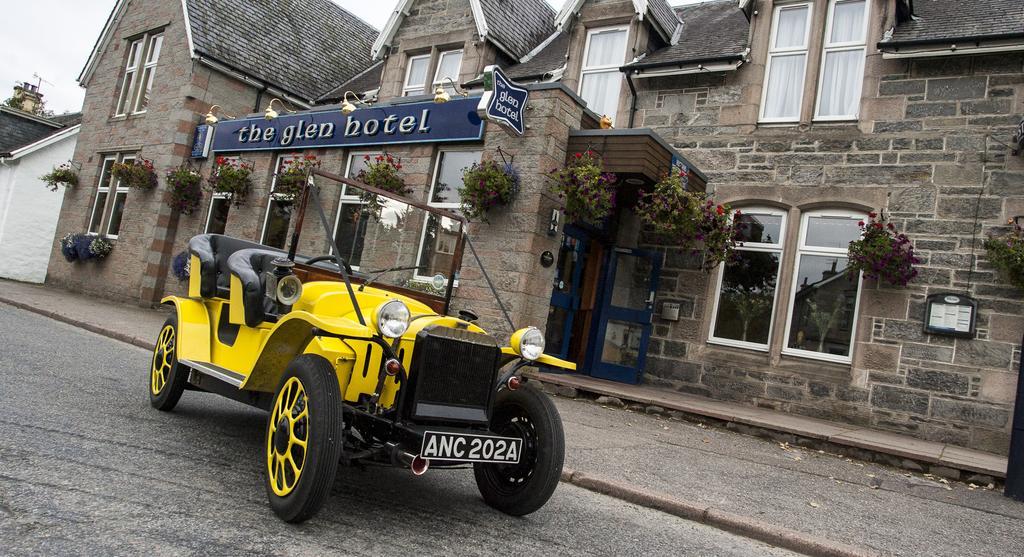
point(311, 191)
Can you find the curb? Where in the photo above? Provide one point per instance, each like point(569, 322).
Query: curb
point(744, 526)
point(135, 341)
point(730, 522)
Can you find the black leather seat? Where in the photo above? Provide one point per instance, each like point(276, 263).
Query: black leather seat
point(213, 251)
point(250, 266)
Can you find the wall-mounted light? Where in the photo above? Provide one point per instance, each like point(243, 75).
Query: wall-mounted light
point(211, 119)
point(270, 113)
point(441, 95)
point(347, 107)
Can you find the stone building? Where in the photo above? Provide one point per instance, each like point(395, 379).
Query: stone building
point(806, 115)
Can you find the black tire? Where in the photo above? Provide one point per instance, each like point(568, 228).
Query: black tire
point(520, 489)
point(166, 376)
point(316, 420)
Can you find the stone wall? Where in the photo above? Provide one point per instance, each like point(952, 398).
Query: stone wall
point(928, 150)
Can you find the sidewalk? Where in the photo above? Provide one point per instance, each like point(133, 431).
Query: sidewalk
point(808, 500)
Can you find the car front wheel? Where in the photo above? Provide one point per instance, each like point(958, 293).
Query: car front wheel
point(520, 489)
point(304, 440)
point(166, 375)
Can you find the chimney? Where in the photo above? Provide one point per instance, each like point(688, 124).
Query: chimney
point(29, 96)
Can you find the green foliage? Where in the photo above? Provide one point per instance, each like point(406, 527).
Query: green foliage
point(486, 185)
point(62, 175)
point(586, 190)
point(690, 220)
point(1006, 254)
point(381, 172)
point(135, 174)
point(291, 179)
point(232, 177)
point(881, 253)
point(184, 189)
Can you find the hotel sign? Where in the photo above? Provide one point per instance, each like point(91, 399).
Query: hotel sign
point(423, 122)
point(504, 101)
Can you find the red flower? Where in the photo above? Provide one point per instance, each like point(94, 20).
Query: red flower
point(872, 215)
point(877, 225)
point(720, 210)
point(220, 160)
point(366, 157)
point(860, 223)
point(310, 157)
point(398, 166)
point(579, 155)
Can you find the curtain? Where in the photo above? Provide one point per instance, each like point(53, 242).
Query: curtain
point(606, 48)
point(848, 22)
point(417, 71)
point(601, 91)
point(785, 86)
point(841, 83)
point(449, 67)
point(792, 27)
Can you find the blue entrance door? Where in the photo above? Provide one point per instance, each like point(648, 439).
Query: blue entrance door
point(618, 348)
point(566, 293)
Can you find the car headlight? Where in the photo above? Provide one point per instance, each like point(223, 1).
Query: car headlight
point(393, 318)
point(289, 290)
point(528, 343)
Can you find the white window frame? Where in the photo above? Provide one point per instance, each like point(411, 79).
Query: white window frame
point(346, 198)
point(112, 197)
point(438, 78)
point(131, 70)
point(455, 207)
point(280, 162)
point(777, 248)
point(774, 52)
point(828, 47)
point(101, 188)
point(606, 68)
point(803, 249)
point(415, 89)
point(147, 65)
point(219, 194)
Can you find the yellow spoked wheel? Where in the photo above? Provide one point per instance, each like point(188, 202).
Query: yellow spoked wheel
point(304, 438)
point(163, 360)
point(166, 375)
point(288, 437)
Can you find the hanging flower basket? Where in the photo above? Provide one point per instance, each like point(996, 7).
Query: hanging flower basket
point(586, 190)
point(180, 266)
point(136, 174)
point(381, 172)
point(184, 189)
point(690, 220)
point(63, 175)
point(292, 178)
point(1006, 253)
point(486, 185)
point(232, 177)
point(83, 247)
point(882, 253)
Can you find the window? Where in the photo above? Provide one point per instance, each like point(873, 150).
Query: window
point(823, 300)
point(110, 199)
point(842, 65)
point(448, 65)
point(416, 74)
point(745, 308)
point(352, 217)
point(600, 79)
point(143, 54)
point(220, 205)
point(787, 62)
point(279, 210)
point(437, 244)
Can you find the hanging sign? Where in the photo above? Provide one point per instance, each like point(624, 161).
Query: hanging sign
point(504, 101)
point(950, 314)
point(201, 141)
point(423, 122)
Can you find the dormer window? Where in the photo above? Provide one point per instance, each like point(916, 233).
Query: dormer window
point(416, 75)
point(600, 79)
point(137, 83)
point(448, 65)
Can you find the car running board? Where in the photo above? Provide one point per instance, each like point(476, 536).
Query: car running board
point(212, 378)
point(215, 371)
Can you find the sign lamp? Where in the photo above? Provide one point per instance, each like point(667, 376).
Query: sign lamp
point(442, 96)
point(270, 113)
point(211, 119)
point(347, 107)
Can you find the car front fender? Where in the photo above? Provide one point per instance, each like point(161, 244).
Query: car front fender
point(193, 328)
point(544, 359)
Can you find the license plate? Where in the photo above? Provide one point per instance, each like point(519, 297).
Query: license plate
point(468, 447)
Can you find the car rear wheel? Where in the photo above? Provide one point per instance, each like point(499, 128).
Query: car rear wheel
point(304, 439)
point(520, 489)
point(166, 375)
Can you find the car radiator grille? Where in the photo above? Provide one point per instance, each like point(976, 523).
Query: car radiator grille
point(453, 375)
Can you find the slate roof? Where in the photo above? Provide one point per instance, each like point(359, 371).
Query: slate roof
point(549, 59)
point(368, 80)
point(941, 20)
point(664, 15)
point(18, 129)
point(712, 31)
point(519, 25)
point(304, 47)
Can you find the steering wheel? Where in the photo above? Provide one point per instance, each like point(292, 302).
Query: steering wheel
point(332, 258)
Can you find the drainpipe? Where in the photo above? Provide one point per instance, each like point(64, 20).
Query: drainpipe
point(259, 98)
point(632, 102)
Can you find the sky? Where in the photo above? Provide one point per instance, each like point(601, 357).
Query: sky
point(52, 39)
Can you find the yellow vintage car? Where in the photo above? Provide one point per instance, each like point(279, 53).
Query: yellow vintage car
point(362, 365)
